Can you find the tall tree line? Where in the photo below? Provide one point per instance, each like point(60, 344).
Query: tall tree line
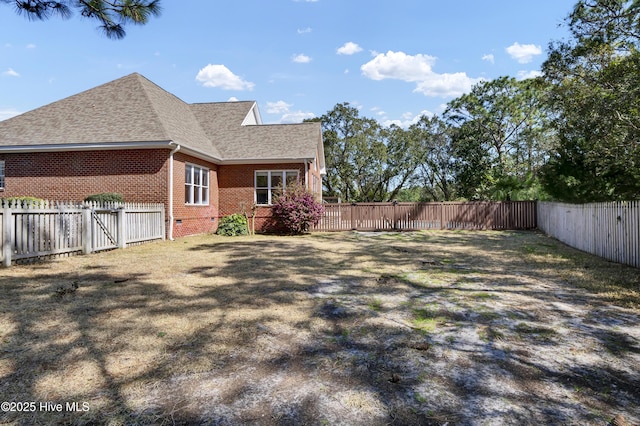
point(572, 134)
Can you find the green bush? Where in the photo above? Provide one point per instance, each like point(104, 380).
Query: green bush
point(24, 201)
point(105, 197)
point(233, 225)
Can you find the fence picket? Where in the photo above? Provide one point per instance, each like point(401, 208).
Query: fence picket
point(609, 230)
point(416, 216)
point(31, 229)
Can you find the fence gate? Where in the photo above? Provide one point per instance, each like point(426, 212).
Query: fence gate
point(104, 229)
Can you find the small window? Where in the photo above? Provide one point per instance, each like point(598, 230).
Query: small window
point(269, 182)
point(1, 174)
point(196, 185)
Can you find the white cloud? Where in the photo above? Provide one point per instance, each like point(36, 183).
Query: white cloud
point(489, 58)
point(523, 53)
point(417, 69)
point(31, 46)
point(220, 76)
point(408, 119)
point(523, 75)
point(232, 99)
point(399, 66)
point(11, 73)
point(378, 111)
point(295, 117)
point(349, 48)
point(301, 59)
point(446, 85)
point(279, 107)
point(287, 116)
point(304, 30)
point(8, 113)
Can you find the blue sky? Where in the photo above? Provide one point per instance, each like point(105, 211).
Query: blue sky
point(394, 60)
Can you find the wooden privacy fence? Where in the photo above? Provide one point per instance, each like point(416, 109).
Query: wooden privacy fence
point(608, 230)
point(416, 216)
point(38, 229)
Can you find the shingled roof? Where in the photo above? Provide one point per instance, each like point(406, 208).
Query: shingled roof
point(134, 110)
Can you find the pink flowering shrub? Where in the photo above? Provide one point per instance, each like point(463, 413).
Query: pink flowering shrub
point(296, 209)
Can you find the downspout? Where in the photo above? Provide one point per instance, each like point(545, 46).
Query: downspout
point(176, 149)
point(306, 175)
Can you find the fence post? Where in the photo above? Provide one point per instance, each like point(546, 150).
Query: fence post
point(86, 230)
point(164, 227)
point(7, 246)
point(353, 219)
point(395, 203)
point(122, 225)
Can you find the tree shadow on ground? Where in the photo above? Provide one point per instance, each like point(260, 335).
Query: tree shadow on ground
point(382, 329)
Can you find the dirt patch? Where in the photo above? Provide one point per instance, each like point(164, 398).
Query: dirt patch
point(457, 328)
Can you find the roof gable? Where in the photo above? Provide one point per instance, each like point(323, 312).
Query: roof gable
point(113, 112)
point(129, 109)
point(134, 109)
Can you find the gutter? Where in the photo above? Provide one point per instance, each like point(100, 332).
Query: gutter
point(176, 149)
point(98, 146)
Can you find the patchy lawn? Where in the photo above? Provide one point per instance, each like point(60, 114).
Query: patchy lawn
point(458, 328)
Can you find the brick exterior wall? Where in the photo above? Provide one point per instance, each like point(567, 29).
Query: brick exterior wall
point(236, 184)
point(193, 219)
point(141, 176)
point(72, 176)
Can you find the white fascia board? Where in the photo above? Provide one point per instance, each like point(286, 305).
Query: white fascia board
point(99, 146)
point(264, 161)
point(106, 146)
point(321, 158)
point(198, 154)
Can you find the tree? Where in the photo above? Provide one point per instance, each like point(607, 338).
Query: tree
point(498, 138)
point(113, 15)
point(365, 161)
point(347, 137)
point(406, 151)
point(595, 102)
point(435, 173)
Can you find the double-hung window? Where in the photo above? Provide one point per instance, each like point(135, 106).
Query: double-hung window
point(196, 185)
point(269, 182)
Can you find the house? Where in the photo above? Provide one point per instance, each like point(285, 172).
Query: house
point(202, 161)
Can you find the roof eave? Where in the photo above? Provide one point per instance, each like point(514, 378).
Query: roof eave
point(230, 162)
point(197, 153)
point(95, 146)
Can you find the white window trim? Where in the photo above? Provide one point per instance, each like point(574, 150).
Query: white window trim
point(192, 186)
point(269, 188)
point(3, 172)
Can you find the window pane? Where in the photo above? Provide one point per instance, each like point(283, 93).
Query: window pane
point(187, 174)
point(292, 177)
point(187, 194)
point(196, 195)
point(205, 195)
point(205, 177)
point(262, 196)
point(261, 180)
point(196, 175)
point(276, 180)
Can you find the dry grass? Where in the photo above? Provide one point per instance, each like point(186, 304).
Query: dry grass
point(350, 328)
